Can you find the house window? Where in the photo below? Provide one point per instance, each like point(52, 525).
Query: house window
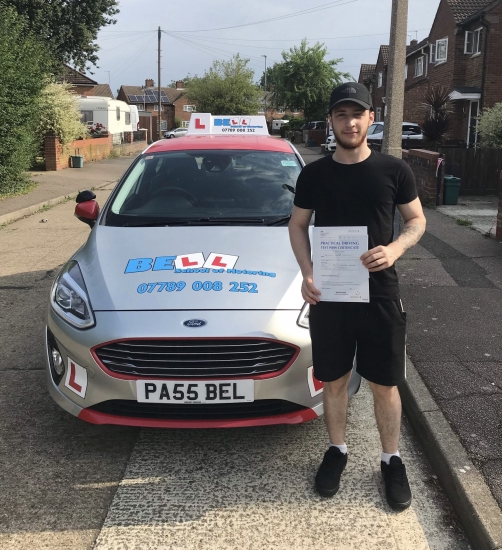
point(433, 53)
point(189, 108)
point(419, 66)
point(472, 43)
point(156, 107)
point(117, 110)
point(128, 118)
point(280, 110)
point(380, 79)
point(385, 110)
point(371, 88)
point(87, 117)
point(441, 50)
point(163, 125)
point(378, 114)
point(185, 124)
point(406, 71)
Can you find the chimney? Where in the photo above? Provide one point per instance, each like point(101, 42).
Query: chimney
point(179, 85)
point(149, 83)
point(413, 42)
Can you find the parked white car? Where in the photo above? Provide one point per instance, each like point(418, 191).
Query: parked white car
point(177, 132)
point(411, 131)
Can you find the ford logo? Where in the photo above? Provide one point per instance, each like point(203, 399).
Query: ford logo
point(195, 323)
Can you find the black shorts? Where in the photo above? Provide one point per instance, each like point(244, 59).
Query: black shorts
point(374, 333)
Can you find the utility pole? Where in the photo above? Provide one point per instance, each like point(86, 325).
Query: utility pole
point(265, 95)
point(160, 95)
point(394, 100)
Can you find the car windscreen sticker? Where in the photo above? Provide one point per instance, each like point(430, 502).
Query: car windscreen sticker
point(76, 378)
point(289, 163)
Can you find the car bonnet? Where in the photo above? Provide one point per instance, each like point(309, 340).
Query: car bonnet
point(192, 268)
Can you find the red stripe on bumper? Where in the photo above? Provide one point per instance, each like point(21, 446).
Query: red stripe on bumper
point(95, 417)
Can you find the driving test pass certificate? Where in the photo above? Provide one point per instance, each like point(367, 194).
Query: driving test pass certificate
point(338, 271)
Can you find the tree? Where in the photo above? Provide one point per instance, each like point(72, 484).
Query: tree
point(437, 122)
point(226, 89)
point(304, 80)
point(23, 65)
point(490, 126)
point(59, 114)
point(68, 28)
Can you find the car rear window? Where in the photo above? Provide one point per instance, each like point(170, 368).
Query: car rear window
point(195, 184)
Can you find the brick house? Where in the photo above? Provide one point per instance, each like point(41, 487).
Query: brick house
point(416, 80)
point(378, 83)
point(367, 76)
point(103, 90)
point(463, 54)
point(276, 113)
point(174, 103)
point(80, 83)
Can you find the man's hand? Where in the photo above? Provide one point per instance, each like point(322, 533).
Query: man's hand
point(380, 257)
point(309, 291)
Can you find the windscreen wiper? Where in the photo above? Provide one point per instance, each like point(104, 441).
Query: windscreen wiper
point(197, 221)
point(280, 221)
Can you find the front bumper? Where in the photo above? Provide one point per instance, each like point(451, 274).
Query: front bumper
point(291, 385)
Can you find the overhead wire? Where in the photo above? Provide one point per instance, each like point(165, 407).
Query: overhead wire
point(314, 9)
point(149, 42)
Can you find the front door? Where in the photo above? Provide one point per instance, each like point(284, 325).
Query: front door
point(472, 131)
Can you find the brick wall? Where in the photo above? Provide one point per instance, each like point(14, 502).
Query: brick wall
point(415, 88)
point(493, 78)
point(423, 164)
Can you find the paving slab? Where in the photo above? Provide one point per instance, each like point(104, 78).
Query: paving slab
point(253, 489)
point(481, 212)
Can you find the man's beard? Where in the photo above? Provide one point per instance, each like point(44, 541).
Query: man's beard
point(349, 145)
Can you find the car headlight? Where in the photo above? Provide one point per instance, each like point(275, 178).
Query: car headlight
point(69, 297)
point(303, 318)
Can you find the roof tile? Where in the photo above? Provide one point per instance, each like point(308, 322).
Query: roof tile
point(463, 9)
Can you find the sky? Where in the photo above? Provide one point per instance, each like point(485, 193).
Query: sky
point(201, 31)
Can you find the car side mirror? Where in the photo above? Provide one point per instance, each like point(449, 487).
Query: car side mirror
point(85, 196)
point(87, 211)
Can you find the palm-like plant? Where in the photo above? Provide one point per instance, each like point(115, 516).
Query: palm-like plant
point(438, 106)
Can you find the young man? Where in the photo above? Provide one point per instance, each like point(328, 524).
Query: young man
point(361, 187)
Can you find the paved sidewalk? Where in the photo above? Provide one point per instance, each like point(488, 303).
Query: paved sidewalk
point(53, 187)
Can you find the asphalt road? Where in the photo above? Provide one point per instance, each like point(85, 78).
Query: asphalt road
point(67, 485)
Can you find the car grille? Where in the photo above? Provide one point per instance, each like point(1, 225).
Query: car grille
point(223, 411)
point(193, 358)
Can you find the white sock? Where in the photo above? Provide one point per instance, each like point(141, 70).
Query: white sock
point(386, 456)
point(343, 448)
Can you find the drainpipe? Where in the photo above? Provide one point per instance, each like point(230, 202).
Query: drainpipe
point(486, 26)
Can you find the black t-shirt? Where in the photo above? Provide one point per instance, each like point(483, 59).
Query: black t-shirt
point(365, 193)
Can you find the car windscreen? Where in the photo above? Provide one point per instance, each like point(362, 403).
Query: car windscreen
point(210, 185)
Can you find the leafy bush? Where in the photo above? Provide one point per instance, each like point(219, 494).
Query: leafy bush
point(178, 123)
point(24, 63)
point(296, 123)
point(59, 114)
point(283, 129)
point(490, 126)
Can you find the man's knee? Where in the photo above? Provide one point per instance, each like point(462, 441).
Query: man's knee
point(338, 386)
point(383, 392)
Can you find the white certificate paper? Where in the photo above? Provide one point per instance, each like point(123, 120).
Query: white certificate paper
point(338, 271)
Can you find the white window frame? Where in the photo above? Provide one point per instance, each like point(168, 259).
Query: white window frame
point(371, 88)
point(474, 47)
point(380, 79)
point(185, 124)
point(189, 108)
point(163, 125)
point(406, 71)
point(378, 114)
point(432, 53)
point(385, 111)
point(419, 66)
point(156, 107)
point(439, 43)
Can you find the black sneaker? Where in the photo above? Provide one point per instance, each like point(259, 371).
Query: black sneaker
point(397, 488)
point(327, 480)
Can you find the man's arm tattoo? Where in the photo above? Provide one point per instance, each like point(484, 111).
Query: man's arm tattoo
point(410, 235)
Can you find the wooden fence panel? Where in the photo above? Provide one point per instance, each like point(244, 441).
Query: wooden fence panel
point(478, 169)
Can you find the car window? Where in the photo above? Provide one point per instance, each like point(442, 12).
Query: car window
point(411, 129)
point(200, 184)
point(371, 129)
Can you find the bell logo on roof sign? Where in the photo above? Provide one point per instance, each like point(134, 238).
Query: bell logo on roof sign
point(205, 123)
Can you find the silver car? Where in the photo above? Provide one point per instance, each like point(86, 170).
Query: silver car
point(183, 308)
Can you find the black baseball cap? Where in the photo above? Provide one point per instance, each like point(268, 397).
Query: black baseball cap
point(351, 91)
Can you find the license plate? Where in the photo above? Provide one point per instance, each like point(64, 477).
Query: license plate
point(218, 391)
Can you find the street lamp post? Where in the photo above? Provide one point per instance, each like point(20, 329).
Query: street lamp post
point(265, 95)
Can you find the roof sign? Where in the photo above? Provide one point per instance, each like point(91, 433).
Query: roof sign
point(205, 123)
